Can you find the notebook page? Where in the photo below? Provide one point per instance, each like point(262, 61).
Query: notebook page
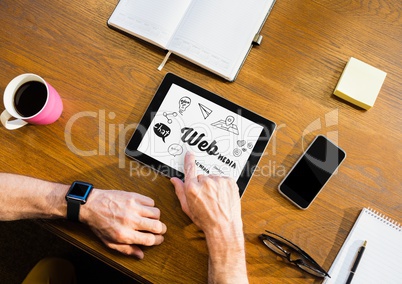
point(218, 34)
point(381, 261)
point(150, 20)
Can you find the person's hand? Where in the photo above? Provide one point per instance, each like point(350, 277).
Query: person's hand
point(211, 202)
point(123, 220)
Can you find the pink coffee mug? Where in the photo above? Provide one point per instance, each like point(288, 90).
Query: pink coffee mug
point(40, 102)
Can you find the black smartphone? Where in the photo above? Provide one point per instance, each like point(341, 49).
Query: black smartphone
point(311, 172)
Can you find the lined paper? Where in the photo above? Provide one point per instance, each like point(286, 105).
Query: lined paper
point(382, 258)
point(152, 20)
point(216, 35)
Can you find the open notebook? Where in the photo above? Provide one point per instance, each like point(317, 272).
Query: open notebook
point(216, 35)
point(382, 258)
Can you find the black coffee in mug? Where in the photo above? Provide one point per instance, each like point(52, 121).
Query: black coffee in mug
point(30, 98)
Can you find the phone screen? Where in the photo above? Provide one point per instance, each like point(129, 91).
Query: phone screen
point(312, 171)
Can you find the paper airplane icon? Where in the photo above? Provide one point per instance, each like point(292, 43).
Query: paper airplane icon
point(205, 111)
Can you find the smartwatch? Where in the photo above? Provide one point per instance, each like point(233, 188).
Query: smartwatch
point(76, 196)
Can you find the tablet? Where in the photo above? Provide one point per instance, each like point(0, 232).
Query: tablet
point(225, 138)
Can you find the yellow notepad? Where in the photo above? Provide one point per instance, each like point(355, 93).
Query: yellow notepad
point(381, 262)
point(360, 83)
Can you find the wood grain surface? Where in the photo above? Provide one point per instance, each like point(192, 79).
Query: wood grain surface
point(106, 81)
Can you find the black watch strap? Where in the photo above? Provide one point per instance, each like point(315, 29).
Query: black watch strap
point(73, 210)
point(76, 196)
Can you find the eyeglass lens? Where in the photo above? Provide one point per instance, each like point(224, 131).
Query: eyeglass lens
point(292, 253)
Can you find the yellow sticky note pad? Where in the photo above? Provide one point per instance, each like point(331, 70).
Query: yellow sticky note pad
point(360, 83)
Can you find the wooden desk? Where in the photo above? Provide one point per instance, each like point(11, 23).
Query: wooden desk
point(106, 81)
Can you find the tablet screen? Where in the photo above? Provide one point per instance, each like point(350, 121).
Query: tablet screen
point(225, 138)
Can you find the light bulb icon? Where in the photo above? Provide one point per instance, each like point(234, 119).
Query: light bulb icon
point(184, 103)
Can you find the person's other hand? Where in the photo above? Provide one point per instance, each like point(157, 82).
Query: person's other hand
point(211, 202)
point(123, 220)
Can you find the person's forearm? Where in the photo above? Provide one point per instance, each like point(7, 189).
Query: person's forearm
point(122, 220)
point(227, 263)
point(23, 197)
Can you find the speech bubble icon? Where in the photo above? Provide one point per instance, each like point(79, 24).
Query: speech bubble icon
point(162, 130)
point(175, 150)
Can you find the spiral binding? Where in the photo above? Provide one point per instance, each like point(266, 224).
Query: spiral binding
point(383, 218)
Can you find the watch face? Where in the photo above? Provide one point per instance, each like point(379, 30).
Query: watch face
point(79, 190)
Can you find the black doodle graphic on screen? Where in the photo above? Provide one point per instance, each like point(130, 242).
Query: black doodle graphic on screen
point(205, 111)
point(161, 130)
point(215, 170)
point(184, 103)
point(241, 143)
point(175, 150)
point(243, 146)
point(197, 139)
point(227, 125)
point(237, 152)
point(167, 114)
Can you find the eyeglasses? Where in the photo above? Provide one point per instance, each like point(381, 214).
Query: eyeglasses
point(292, 253)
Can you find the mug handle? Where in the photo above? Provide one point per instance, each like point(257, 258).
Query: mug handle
point(13, 124)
